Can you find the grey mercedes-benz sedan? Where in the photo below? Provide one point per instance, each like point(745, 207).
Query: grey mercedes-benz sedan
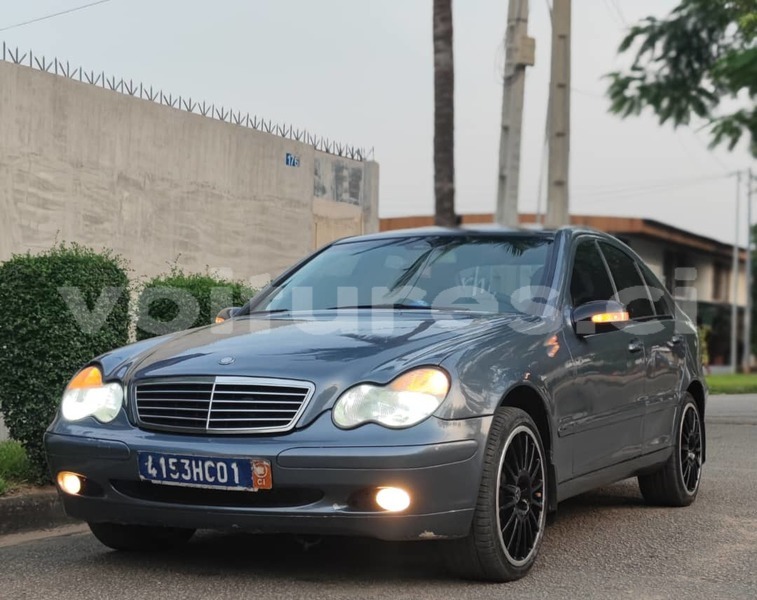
point(429, 384)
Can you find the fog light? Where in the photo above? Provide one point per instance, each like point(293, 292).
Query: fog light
point(70, 482)
point(393, 499)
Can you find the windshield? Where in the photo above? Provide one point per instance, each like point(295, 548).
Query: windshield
point(444, 273)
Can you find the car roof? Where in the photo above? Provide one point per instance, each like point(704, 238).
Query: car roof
point(477, 230)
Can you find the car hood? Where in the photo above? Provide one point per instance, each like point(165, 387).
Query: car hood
point(332, 351)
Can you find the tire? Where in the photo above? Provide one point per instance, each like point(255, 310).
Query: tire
point(676, 483)
point(140, 538)
point(514, 490)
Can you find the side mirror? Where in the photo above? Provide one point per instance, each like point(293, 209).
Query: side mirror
point(227, 313)
point(599, 317)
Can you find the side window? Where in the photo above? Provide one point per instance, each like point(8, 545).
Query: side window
point(662, 304)
point(589, 280)
point(631, 289)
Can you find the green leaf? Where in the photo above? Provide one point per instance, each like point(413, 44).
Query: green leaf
point(685, 64)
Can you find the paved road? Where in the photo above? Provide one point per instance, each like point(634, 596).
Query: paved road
point(606, 544)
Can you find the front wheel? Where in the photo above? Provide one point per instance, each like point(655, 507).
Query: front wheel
point(508, 524)
point(676, 483)
point(140, 537)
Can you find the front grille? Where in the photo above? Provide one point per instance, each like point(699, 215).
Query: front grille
point(221, 404)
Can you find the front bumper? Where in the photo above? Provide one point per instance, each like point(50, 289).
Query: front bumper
point(318, 473)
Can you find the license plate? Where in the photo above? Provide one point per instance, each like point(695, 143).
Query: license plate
point(206, 472)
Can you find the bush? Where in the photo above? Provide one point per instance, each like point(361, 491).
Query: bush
point(59, 310)
point(178, 301)
point(14, 466)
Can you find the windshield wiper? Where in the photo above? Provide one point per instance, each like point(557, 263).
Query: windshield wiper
point(397, 306)
point(267, 312)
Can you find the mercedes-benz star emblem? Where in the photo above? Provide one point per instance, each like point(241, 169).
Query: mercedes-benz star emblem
point(226, 360)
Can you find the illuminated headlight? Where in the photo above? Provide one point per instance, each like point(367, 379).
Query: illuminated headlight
point(87, 396)
point(404, 402)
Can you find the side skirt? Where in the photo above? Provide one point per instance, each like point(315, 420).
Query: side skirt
point(608, 475)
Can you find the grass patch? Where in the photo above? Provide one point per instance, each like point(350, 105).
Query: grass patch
point(15, 468)
point(740, 383)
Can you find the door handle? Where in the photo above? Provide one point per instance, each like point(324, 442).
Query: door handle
point(635, 346)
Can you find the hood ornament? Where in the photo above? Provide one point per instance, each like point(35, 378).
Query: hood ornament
point(226, 360)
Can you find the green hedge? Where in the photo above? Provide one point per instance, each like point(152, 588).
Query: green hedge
point(58, 310)
point(178, 301)
point(14, 466)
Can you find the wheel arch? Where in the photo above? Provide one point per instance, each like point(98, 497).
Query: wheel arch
point(530, 401)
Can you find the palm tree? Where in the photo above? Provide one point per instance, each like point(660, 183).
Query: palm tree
point(444, 115)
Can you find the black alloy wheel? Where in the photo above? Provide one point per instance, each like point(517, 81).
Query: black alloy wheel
point(520, 501)
point(511, 509)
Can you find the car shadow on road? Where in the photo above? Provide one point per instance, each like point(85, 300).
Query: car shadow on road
point(332, 559)
point(220, 554)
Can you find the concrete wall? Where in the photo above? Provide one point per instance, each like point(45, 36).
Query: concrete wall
point(158, 185)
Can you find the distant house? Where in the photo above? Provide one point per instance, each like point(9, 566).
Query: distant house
point(696, 269)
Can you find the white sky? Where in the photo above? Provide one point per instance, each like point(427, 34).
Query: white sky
point(360, 71)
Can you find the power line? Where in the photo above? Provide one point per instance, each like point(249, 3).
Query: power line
point(635, 193)
point(634, 185)
point(588, 93)
point(53, 15)
point(618, 10)
point(709, 151)
point(613, 13)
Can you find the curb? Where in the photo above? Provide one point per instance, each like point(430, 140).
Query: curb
point(38, 509)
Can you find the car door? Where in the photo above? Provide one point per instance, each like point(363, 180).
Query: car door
point(666, 357)
point(601, 411)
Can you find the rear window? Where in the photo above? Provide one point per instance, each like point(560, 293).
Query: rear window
point(632, 291)
point(662, 304)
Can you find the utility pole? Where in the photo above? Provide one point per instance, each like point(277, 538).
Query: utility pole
point(519, 54)
point(748, 308)
point(735, 282)
point(558, 208)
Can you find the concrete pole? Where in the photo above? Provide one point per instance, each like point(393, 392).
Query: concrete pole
point(558, 208)
point(520, 51)
point(748, 309)
point(735, 282)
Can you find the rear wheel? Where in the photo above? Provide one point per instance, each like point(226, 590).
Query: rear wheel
point(676, 483)
point(140, 537)
point(508, 524)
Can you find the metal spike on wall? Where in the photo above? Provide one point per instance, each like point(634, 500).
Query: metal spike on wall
point(151, 94)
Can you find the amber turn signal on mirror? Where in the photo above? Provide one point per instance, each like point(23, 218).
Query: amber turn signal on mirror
point(610, 317)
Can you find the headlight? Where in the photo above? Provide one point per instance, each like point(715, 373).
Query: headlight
point(404, 402)
point(88, 396)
